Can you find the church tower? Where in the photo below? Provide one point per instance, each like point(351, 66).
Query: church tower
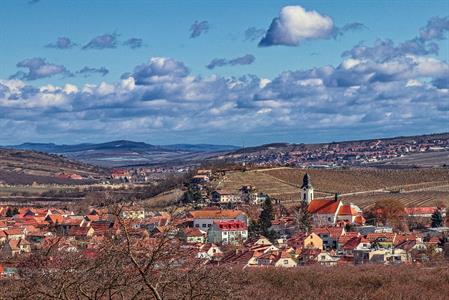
point(306, 189)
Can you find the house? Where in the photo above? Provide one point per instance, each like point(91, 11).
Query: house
point(14, 234)
point(423, 212)
point(258, 198)
point(192, 235)
point(286, 260)
point(209, 251)
point(134, 212)
point(223, 197)
point(329, 235)
point(227, 232)
point(313, 241)
point(262, 241)
point(204, 218)
point(415, 249)
point(388, 256)
point(268, 258)
point(120, 174)
point(382, 240)
point(15, 247)
point(326, 259)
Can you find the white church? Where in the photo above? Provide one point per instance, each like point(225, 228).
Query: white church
point(328, 212)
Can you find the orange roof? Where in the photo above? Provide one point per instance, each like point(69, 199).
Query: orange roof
point(55, 218)
point(359, 220)
point(193, 232)
point(389, 237)
point(215, 214)
point(347, 210)
point(322, 206)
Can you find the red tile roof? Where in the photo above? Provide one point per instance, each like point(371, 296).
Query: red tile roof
point(215, 214)
point(347, 210)
point(322, 206)
point(231, 225)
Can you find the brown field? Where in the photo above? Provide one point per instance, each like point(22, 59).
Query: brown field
point(420, 187)
point(412, 199)
point(164, 199)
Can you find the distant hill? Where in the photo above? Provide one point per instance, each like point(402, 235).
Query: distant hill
point(129, 153)
point(26, 167)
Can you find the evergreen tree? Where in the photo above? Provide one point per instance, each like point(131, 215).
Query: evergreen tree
point(265, 217)
point(191, 196)
point(304, 218)
point(437, 219)
point(9, 213)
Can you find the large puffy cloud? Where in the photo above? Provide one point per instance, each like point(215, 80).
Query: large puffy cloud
point(158, 70)
point(384, 87)
point(295, 25)
point(242, 60)
point(38, 68)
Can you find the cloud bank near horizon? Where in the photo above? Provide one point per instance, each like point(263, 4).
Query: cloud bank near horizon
point(394, 86)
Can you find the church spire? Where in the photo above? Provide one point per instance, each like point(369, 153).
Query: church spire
point(306, 181)
point(306, 189)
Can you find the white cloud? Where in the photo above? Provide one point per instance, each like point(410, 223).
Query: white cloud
point(295, 25)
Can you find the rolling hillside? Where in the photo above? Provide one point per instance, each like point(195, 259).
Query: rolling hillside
point(128, 153)
point(26, 167)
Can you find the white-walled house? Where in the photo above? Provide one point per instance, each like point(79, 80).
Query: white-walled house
point(203, 219)
point(227, 232)
point(226, 197)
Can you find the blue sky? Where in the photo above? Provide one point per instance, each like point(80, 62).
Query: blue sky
point(184, 71)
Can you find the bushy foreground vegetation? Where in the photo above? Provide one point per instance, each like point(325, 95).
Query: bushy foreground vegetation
point(314, 282)
point(351, 282)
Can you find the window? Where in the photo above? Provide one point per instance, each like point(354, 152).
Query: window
point(208, 225)
point(285, 262)
point(204, 225)
point(197, 225)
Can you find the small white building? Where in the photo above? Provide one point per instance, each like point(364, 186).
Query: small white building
point(226, 197)
point(258, 198)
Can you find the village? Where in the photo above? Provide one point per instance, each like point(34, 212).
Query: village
point(334, 155)
point(245, 229)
